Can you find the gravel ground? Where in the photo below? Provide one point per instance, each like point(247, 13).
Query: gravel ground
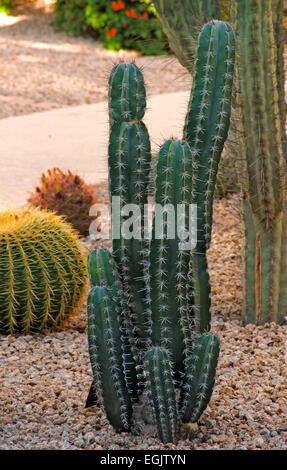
point(43, 69)
point(45, 380)
point(45, 377)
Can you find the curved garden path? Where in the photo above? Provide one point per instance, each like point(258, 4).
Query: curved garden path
point(44, 70)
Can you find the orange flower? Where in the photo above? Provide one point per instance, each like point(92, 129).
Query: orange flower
point(131, 13)
point(111, 33)
point(116, 6)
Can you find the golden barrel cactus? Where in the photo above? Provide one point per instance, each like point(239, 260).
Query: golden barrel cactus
point(42, 270)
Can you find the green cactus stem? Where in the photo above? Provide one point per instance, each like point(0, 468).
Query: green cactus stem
point(127, 95)
point(103, 272)
point(206, 129)
point(260, 107)
point(162, 394)
point(102, 268)
point(129, 167)
point(208, 116)
point(168, 301)
point(199, 292)
point(106, 354)
point(199, 377)
point(262, 145)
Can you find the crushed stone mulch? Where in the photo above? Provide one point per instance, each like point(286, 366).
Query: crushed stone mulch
point(46, 377)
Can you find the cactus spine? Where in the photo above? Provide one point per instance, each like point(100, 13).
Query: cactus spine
point(166, 336)
point(162, 394)
point(129, 167)
point(260, 104)
point(199, 377)
point(205, 130)
point(106, 350)
point(42, 270)
point(169, 264)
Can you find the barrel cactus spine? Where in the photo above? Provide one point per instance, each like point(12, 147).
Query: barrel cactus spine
point(42, 268)
point(173, 323)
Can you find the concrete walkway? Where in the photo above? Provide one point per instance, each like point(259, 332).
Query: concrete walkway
point(72, 138)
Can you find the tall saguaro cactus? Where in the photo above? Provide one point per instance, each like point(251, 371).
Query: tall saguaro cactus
point(261, 107)
point(149, 308)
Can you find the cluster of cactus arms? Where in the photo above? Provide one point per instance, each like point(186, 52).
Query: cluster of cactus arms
point(257, 137)
point(149, 306)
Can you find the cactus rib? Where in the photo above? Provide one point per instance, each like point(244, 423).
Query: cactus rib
point(161, 392)
point(168, 267)
point(199, 377)
point(129, 167)
point(106, 355)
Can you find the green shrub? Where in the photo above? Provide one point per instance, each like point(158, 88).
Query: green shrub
point(70, 16)
point(128, 24)
point(5, 6)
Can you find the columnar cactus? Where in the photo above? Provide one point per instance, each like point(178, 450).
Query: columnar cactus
point(106, 348)
point(261, 143)
point(149, 313)
point(199, 378)
point(206, 128)
point(42, 270)
point(162, 393)
point(257, 138)
point(129, 167)
point(103, 273)
point(168, 301)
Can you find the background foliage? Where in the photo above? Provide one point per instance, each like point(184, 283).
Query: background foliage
point(129, 24)
point(5, 6)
